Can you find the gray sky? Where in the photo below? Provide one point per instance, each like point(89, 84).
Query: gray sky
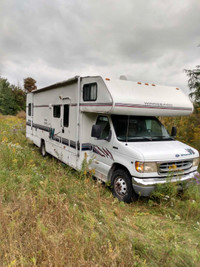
point(51, 41)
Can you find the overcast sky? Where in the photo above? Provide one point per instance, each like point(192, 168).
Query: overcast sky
point(146, 40)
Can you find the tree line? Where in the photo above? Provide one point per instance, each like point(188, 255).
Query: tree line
point(194, 85)
point(12, 97)
point(188, 127)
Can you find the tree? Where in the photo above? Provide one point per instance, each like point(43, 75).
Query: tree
point(20, 98)
point(12, 98)
point(7, 102)
point(194, 84)
point(29, 84)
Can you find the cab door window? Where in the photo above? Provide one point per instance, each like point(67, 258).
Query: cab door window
point(105, 125)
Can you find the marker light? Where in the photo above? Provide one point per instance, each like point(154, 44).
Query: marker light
point(146, 84)
point(107, 79)
point(139, 83)
point(153, 84)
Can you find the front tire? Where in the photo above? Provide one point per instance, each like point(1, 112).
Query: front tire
point(122, 186)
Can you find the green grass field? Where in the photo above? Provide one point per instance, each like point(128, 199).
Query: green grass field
point(51, 215)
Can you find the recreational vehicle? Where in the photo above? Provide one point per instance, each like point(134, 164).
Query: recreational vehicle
point(116, 123)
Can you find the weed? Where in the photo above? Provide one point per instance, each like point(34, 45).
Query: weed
point(86, 171)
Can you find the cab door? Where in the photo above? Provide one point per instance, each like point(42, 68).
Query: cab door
point(102, 149)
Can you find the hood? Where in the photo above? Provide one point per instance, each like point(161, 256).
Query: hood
point(163, 150)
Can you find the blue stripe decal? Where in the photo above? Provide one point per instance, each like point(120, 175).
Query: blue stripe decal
point(62, 140)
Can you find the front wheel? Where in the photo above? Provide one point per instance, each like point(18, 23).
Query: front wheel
point(122, 186)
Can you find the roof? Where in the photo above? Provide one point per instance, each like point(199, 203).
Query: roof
point(132, 98)
point(57, 85)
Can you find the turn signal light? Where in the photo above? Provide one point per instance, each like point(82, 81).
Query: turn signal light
point(139, 166)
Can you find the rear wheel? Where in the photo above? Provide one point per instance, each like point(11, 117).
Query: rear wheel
point(122, 186)
point(43, 149)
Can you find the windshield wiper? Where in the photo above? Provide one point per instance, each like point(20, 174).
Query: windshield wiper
point(142, 138)
point(163, 137)
point(136, 138)
point(147, 138)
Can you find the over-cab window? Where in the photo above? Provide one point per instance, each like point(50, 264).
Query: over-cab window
point(56, 111)
point(90, 92)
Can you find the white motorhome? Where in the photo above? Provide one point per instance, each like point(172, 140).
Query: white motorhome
point(115, 123)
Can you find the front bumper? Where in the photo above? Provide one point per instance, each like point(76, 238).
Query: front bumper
point(144, 187)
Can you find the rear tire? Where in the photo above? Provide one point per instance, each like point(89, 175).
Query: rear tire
point(43, 149)
point(122, 186)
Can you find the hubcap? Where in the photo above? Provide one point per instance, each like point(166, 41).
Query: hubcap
point(120, 187)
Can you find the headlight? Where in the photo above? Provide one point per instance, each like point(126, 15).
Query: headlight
point(145, 167)
point(195, 162)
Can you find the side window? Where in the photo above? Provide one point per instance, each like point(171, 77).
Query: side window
point(105, 125)
point(90, 92)
point(29, 109)
point(66, 116)
point(56, 111)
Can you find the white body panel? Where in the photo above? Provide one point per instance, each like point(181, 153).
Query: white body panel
point(70, 143)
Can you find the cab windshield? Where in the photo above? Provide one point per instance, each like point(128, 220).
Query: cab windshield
point(139, 128)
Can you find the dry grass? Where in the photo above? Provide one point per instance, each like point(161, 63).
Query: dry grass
point(51, 215)
point(21, 114)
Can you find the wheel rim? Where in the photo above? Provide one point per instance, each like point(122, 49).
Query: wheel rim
point(120, 186)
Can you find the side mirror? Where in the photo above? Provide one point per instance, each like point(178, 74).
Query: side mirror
point(96, 131)
point(174, 131)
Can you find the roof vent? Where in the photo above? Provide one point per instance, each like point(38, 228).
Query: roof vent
point(123, 77)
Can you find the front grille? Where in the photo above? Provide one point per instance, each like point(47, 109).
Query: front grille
point(166, 167)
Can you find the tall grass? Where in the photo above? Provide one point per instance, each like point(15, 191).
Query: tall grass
point(51, 215)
